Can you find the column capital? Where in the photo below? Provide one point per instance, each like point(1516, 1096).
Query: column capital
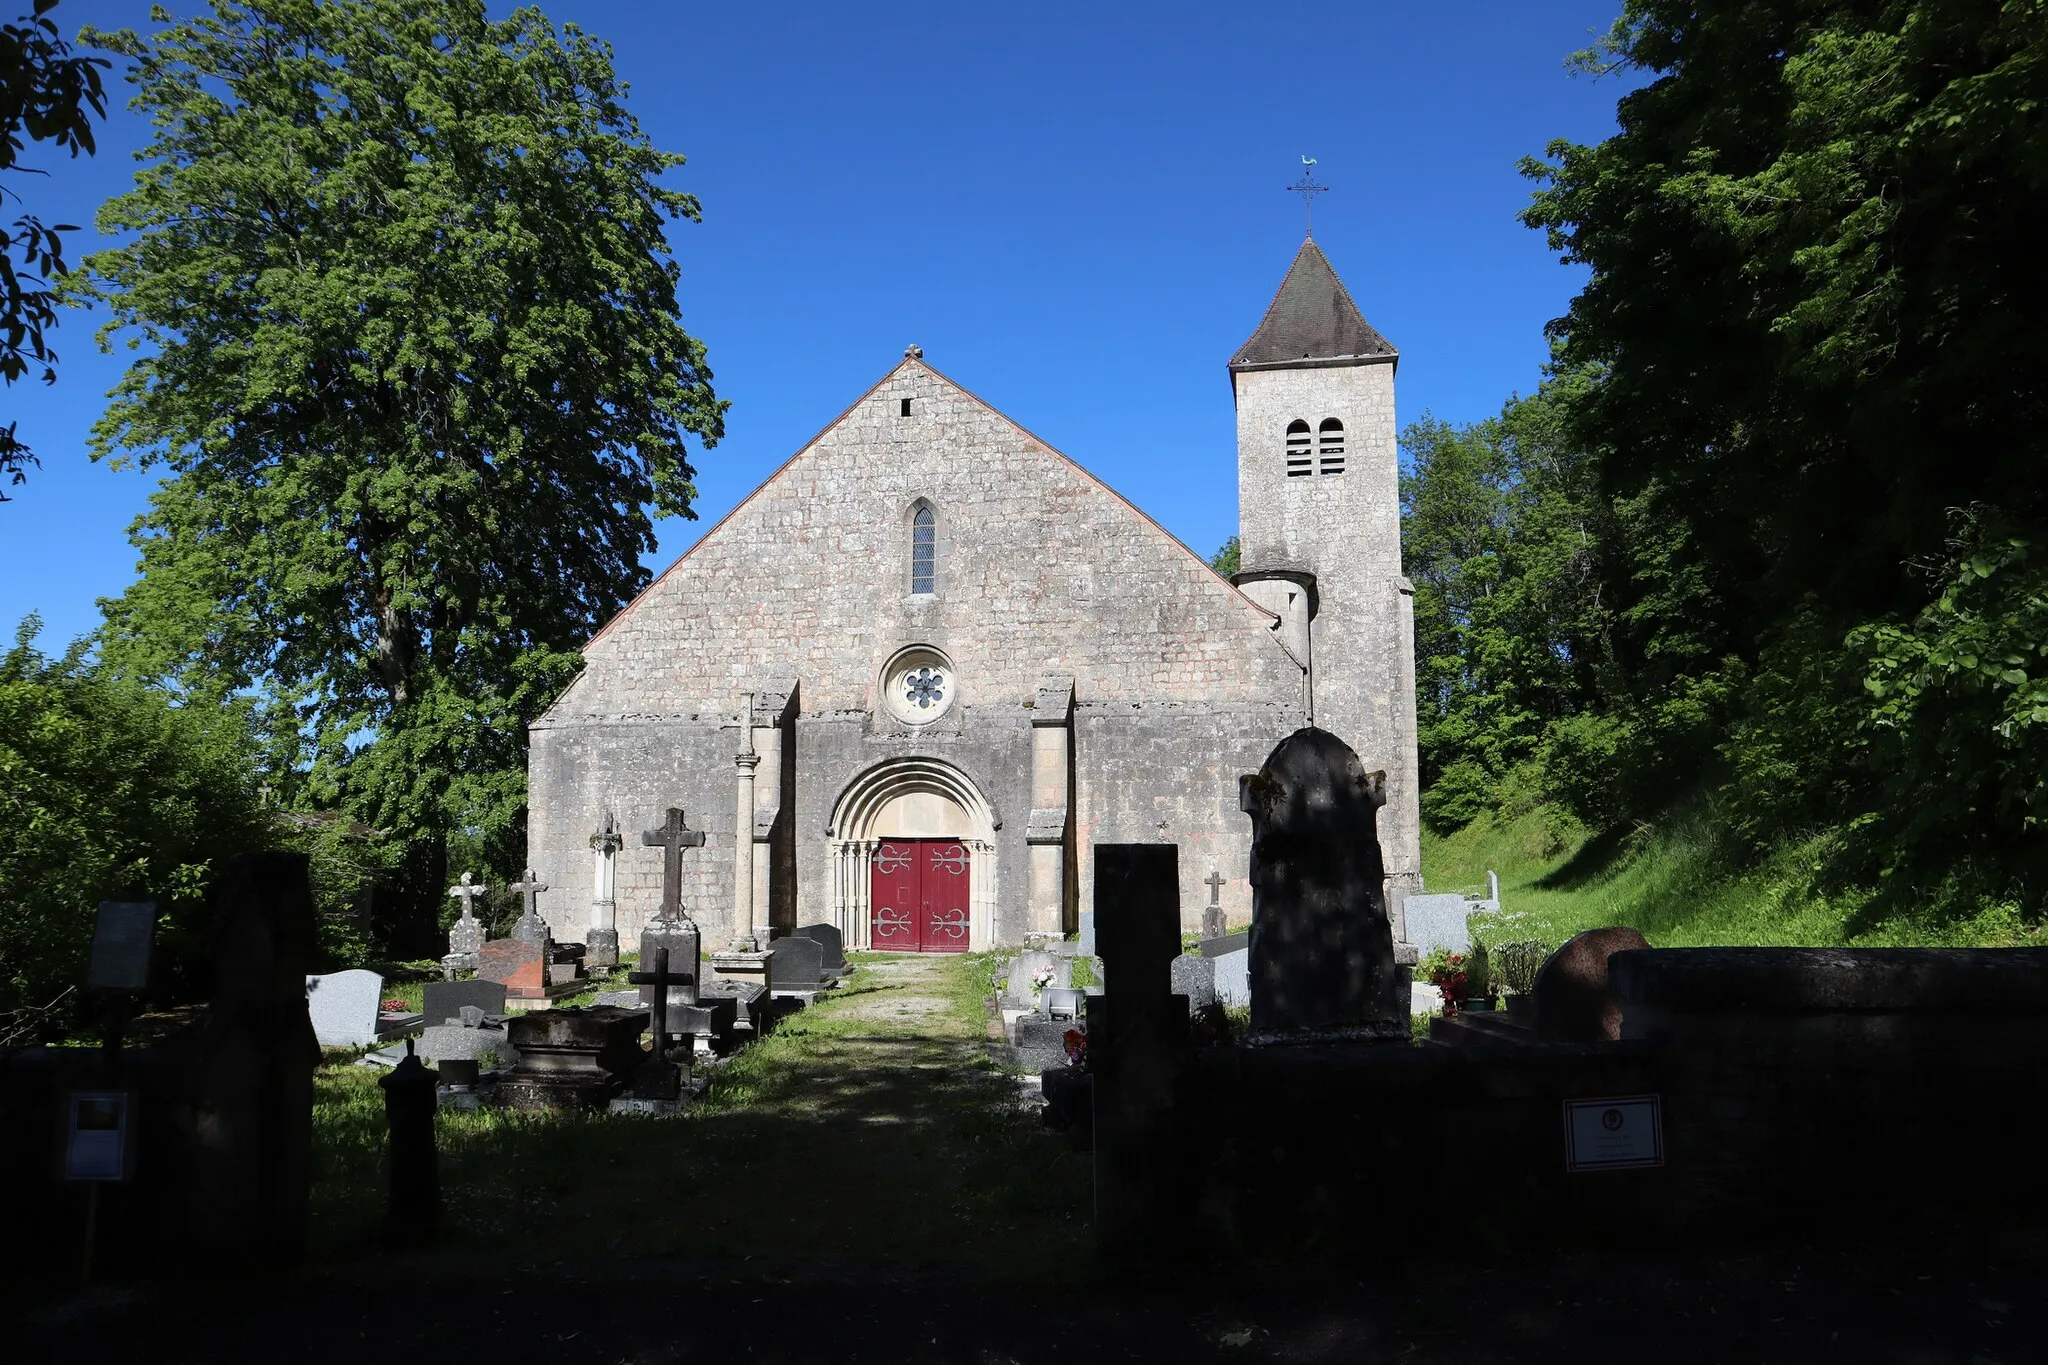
point(746, 763)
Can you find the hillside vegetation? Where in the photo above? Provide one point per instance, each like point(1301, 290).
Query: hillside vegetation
point(1670, 882)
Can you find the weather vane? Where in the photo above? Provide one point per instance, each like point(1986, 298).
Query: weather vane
point(1308, 189)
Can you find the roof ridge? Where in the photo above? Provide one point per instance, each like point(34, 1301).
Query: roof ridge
point(1312, 320)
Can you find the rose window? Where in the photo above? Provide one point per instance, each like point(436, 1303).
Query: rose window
point(918, 685)
point(925, 688)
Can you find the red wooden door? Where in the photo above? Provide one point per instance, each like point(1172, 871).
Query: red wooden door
point(920, 896)
point(945, 897)
point(898, 908)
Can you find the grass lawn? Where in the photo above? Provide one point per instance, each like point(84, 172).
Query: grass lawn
point(869, 1130)
point(1671, 883)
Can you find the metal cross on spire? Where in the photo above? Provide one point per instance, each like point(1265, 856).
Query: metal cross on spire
point(1308, 189)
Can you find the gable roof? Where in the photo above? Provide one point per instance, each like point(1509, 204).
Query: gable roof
point(1312, 321)
point(915, 364)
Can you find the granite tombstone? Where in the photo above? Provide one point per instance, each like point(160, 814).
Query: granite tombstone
point(343, 1007)
point(1574, 1000)
point(441, 1001)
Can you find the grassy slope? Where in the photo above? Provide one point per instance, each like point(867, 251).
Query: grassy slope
point(1669, 883)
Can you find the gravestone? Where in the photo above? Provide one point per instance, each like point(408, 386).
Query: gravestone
point(1322, 951)
point(531, 928)
point(343, 1007)
point(796, 964)
point(1233, 977)
point(466, 936)
point(833, 942)
point(519, 965)
point(484, 1043)
point(1138, 1050)
point(251, 1069)
point(1439, 922)
point(442, 1001)
point(672, 930)
point(1194, 977)
point(1574, 1001)
point(1087, 934)
point(1212, 914)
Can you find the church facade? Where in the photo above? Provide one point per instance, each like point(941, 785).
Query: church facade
point(910, 681)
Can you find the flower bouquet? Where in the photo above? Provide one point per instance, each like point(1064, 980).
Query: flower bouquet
point(1076, 1041)
point(1446, 971)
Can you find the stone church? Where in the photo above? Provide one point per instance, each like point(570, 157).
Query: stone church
point(909, 682)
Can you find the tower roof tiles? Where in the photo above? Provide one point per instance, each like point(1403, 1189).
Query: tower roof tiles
point(1312, 321)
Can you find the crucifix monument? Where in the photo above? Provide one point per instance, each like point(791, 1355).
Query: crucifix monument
point(672, 936)
point(466, 935)
point(1212, 913)
point(531, 927)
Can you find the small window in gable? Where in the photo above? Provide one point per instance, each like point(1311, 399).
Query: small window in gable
point(1330, 446)
point(904, 409)
point(1299, 459)
point(924, 551)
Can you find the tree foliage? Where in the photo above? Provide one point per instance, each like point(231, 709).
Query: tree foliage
point(109, 791)
point(1501, 536)
point(47, 94)
point(410, 349)
point(1821, 419)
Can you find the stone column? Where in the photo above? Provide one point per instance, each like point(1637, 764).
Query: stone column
point(601, 952)
point(1045, 833)
point(743, 939)
point(766, 741)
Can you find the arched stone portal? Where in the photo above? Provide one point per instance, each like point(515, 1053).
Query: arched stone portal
point(910, 798)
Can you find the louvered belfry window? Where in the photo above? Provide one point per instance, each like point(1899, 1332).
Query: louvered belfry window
point(1300, 461)
point(924, 551)
point(1330, 446)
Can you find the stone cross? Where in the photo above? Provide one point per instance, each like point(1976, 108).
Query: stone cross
point(672, 838)
point(466, 935)
point(531, 927)
point(661, 978)
point(1212, 915)
point(466, 891)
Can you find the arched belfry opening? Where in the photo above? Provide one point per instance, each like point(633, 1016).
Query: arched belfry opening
point(914, 859)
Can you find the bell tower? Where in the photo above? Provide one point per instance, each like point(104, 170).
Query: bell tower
point(1319, 531)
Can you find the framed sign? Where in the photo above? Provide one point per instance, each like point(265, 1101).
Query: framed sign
point(99, 1138)
point(123, 938)
point(1613, 1134)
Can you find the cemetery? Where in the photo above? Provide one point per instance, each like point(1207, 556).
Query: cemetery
point(535, 849)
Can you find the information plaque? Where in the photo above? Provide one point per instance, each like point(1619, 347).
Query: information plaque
point(1613, 1134)
point(122, 939)
point(98, 1137)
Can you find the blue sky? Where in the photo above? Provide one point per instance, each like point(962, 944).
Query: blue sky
point(1077, 210)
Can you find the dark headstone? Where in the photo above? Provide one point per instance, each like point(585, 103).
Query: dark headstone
point(1137, 916)
point(253, 1068)
point(1138, 1051)
point(797, 964)
point(519, 965)
point(1575, 1002)
point(1321, 949)
point(413, 1208)
point(442, 1001)
point(832, 940)
point(1227, 944)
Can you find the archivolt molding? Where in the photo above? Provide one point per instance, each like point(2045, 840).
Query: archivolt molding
point(851, 834)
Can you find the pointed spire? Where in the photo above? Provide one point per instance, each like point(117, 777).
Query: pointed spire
point(1312, 321)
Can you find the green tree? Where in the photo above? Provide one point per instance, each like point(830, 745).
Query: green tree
point(1814, 274)
point(411, 351)
point(1225, 560)
point(109, 791)
point(47, 94)
point(1502, 534)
